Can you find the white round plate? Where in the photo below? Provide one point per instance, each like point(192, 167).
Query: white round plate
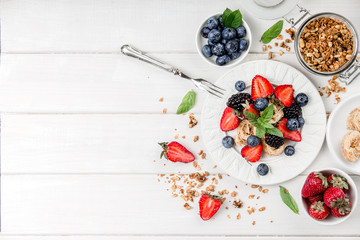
point(277, 11)
point(336, 129)
point(282, 168)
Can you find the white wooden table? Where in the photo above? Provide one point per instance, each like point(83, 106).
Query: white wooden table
point(80, 123)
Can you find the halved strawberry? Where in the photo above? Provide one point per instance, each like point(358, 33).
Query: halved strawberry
point(261, 87)
point(252, 154)
point(209, 205)
point(285, 93)
point(228, 120)
point(250, 108)
point(176, 152)
point(291, 135)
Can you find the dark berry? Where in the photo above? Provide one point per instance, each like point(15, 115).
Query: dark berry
point(294, 111)
point(241, 32)
point(220, 28)
point(228, 33)
point(224, 41)
point(228, 142)
point(210, 43)
point(236, 101)
point(262, 169)
point(289, 150)
point(260, 104)
point(222, 60)
point(232, 46)
point(212, 23)
point(292, 124)
point(301, 99)
point(301, 122)
point(240, 86)
point(253, 141)
point(214, 36)
point(207, 51)
point(218, 49)
point(204, 32)
point(274, 141)
point(220, 21)
point(243, 45)
point(234, 55)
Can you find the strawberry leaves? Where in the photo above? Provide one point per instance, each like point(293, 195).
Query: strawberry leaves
point(288, 200)
point(262, 123)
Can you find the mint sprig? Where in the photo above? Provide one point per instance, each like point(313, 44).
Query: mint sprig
point(187, 102)
point(262, 123)
point(288, 200)
point(231, 19)
point(272, 32)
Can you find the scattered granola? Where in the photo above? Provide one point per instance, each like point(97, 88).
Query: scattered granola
point(233, 193)
point(262, 209)
point(237, 203)
point(164, 110)
point(210, 188)
point(203, 155)
point(176, 136)
point(281, 52)
point(270, 56)
point(187, 206)
point(161, 99)
point(333, 87)
point(238, 216)
point(196, 138)
point(196, 166)
point(193, 121)
point(264, 48)
point(253, 223)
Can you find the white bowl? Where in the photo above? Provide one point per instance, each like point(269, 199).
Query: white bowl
point(200, 42)
point(336, 129)
point(352, 194)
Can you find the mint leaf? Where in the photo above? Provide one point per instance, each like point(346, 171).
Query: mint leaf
point(233, 20)
point(225, 14)
point(264, 124)
point(251, 117)
point(268, 113)
point(272, 32)
point(187, 102)
point(274, 131)
point(288, 200)
point(260, 131)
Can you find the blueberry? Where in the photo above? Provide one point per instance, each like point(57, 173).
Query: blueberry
point(207, 51)
point(210, 43)
point(220, 21)
point(218, 49)
point(253, 141)
point(224, 41)
point(228, 33)
point(232, 46)
point(241, 32)
point(260, 104)
point(243, 45)
point(220, 28)
point(228, 142)
point(262, 169)
point(301, 122)
point(292, 124)
point(212, 23)
point(204, 32)
point(240, 86)
point(301, 99)
point(214, 36)
point(289, 150)
point(234, 55)
point(222, 60)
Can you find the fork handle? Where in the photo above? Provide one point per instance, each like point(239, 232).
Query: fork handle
point(135, 53)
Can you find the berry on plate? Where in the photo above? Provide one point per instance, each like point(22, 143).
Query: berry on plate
point(229, 121)
point(261, 87)
point(318, 210)
point(252, 154)
point(294, 111)
point(253, 141)
point(228, 142)
point(204, 32)
point(285, 93)
point(341, 208)
point(262, 169)
point(314, 184)
point(237, 101)
point(292, 124)
point(207, 51)
point(291, 135)
point(234, 55)
point(274, 141)
point(301, 99)
point(289, 150)
point(241, 32)
point(218, 49)
point(261, 103)
point(176, 152)
point(301, 121)
point(214, 36)
point(338, 181)
point(332, 195)
point(232, 46)
point(240, 86)
point(222, 60)
point(212, 23)
point(243, 44)
point(315, 198)
point(228, 33)
point(209, 205)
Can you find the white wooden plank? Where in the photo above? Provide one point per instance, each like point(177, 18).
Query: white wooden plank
point(128, 204)
point(46, 143)
point(109, 83)
point(104, 25)
point(121, 237)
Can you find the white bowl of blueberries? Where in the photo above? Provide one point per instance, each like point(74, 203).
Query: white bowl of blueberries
point(223, 43)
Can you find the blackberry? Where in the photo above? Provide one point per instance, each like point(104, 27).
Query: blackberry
point(274, 141)
point(236, 101)
point(294, 111)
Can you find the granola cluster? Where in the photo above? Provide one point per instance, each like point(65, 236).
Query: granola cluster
point(326, 44)
point(333, 87)
point(282, 44)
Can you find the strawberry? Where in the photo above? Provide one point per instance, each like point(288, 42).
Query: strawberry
point(341, 207)
point(338, 181)
point(176, 152)
point(318, 210)
point(315, 198)
point(250, 108)
point(260, 88)
point(285, 93)
point(229, 121)
point(209, 205)
point(314, 184)
point(333, 194)
point(291, 135)
point(252, 154)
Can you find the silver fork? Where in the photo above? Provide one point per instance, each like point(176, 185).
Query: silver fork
point(199, 82)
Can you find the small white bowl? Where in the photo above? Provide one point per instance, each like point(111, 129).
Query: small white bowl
point(336, 129)
point(352, 194)
point(200, 42)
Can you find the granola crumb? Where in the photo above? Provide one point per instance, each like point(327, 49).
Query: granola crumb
point(193, 121)
point(282, 44)
point(269, 46)
point(288, 40)
point(229, 216)
point(264, 48)
point(233, 193)
point(254, 186)
point(279, 37)
point(220, 176)
point(276, 44)
point(161, 99)
point(203, 155)
point(265, 190)
point(287, 48)
point(196, 166)
point(187, 206)
point(237, 203)
point(270, 56)
point(227, 208)
point(183, 137)
point(215, 166)
point(260, 188)
point(253, 223)
point(271, 221)
point(164, 111)
point(196, 138)
point(210, 188)
point(201, 152)
point(251, 196)
point(176, 136)
point(238, 216)
point(262, 209)
point(281, 52)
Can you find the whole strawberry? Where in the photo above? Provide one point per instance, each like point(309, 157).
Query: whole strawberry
point(333, 194)
point(341, 207)
point(176, 152)
point(315, 198)
point(314, 184)
point(209, 205)
point(318, 210)
point(338, 181)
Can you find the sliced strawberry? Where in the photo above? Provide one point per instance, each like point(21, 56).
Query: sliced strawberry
point(176, 152)
point(209, 205)
point(316, 198)
point(291, 135)
point(285, 93)
point(250, 108)
point(260, 87)
point(228, 120)
point(252, 154)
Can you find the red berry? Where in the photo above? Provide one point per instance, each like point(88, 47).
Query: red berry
point(291, 135)
point(209, 205)
point(228, 120)
point(176, 152)
point(318, 210)
point(285, 93)
point(314, 184)
point(261, 87)
point(252, 154)
point(332, 195)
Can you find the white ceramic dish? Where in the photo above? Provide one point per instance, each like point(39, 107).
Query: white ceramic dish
point(336, 129)
point(271, 10)
point(282, 168)
point(200, 42)
point(352, 194)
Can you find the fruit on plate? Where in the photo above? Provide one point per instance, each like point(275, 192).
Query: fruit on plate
point(250, 108)
point(315, 198)
point(260, 104)
point(228, 142)
point(341, 208)
point(294, 111)
point(176, 152)
point(338, 181)
point(261, 87)
point(209, 205)
point(274, 141)
point(240, 86)
point(229, 121)
point(262, 169)
point(253, 141)
point(318, 210)
point(333, 195)
point(289, 150)
point(291, 135)
point(314, 184)
point(237, 101)
point(285, 93)
point(292, 124)
point(252, 154)
point(301, 99)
